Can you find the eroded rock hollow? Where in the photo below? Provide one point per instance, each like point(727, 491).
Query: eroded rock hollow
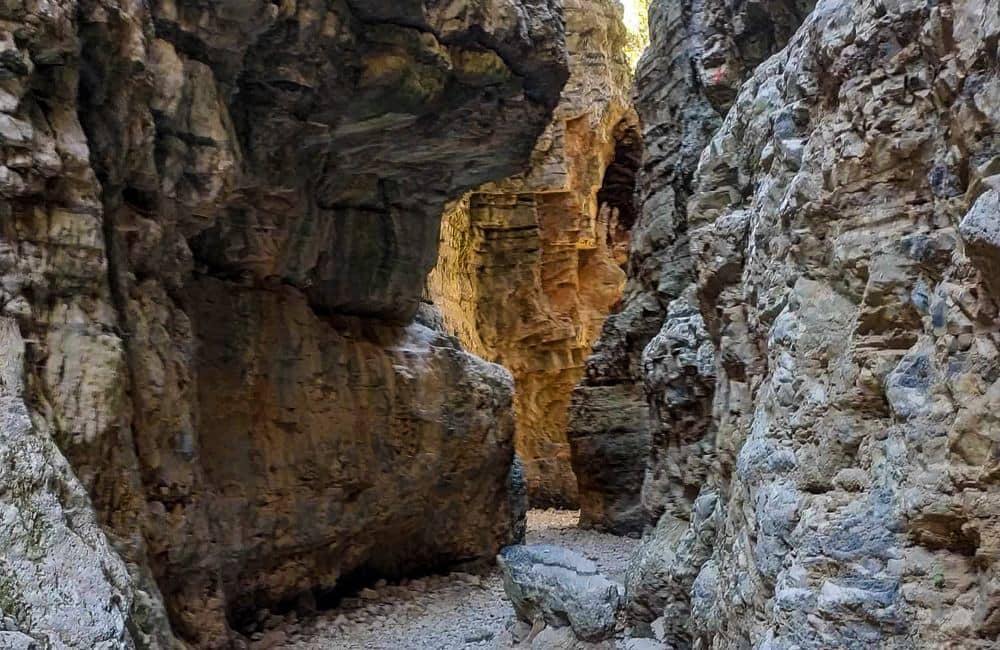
point(530, 266)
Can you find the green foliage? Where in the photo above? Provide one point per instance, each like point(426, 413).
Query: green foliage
point(637, 24)
point(938, 577)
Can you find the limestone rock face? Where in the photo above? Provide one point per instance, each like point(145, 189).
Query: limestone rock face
point(530, 266)
point(698, 55)
point(61, 581)
point(841, 233)
point(216, 227)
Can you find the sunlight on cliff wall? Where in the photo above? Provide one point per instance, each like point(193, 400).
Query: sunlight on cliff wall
point(637, 24)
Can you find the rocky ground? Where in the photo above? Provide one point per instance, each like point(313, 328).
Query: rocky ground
point(459, 610)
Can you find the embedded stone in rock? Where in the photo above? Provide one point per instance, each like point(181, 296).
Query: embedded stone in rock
point(644, 644)
point(562, 638)
point(981, 231)
point(554, 584)
point(17, 641)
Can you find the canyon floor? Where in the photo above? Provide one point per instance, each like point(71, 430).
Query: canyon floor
point(444, 612)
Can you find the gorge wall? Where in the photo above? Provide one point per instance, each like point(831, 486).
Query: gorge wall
point(530, 266)
point(698, 55)
point(217, 220)
point(808, 349)
point(221, 389)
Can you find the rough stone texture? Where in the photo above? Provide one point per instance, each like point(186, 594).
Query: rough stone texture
point(663, 570)
point(61, 583)
point(530, 266)
point(698, 55)
point(401, 454)
point(216, 227)
point(563, 589)
point(841, 236)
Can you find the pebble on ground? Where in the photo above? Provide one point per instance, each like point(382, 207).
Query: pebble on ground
point(449, 612)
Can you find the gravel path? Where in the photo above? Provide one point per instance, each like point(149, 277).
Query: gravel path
point(451, 612)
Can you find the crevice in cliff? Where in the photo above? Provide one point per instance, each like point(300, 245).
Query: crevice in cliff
point(526, 279)
point(618, 189)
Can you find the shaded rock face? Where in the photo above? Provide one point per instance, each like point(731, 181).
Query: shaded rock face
point(217, 223)
point(617, 193)
point(841, 227)
point(529, 267)
point(698, 55)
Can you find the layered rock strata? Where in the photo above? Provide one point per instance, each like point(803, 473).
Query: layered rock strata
point(530, 266)
point(698, 55)
point(216, 225)
point(842, 235)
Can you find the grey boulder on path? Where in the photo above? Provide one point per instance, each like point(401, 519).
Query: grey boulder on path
point(554, 584)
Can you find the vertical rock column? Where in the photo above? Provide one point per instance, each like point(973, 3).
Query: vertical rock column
point(527, 270)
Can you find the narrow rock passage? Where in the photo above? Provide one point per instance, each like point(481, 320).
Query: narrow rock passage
point(459, 610)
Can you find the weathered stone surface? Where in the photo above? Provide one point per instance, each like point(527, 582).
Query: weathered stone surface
point(216, 227)
point(854, 327)
point(555, 585)
point(530, 266)
point(663, 571)
point(980, 229)
point(410, 472)
point(698, 55)
point(61, 583)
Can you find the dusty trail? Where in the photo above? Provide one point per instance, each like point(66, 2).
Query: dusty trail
point(449, 612)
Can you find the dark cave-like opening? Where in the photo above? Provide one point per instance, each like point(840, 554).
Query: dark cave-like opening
point(617, 193)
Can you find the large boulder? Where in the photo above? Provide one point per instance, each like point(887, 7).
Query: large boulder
point(562, 588)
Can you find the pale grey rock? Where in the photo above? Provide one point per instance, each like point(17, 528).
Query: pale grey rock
point(61, 583)
point(908, 386)
point(554, 584)
point(980, 229)
point(644, 644)
point(18, 641)
point(981, 224)
point(562, 638)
